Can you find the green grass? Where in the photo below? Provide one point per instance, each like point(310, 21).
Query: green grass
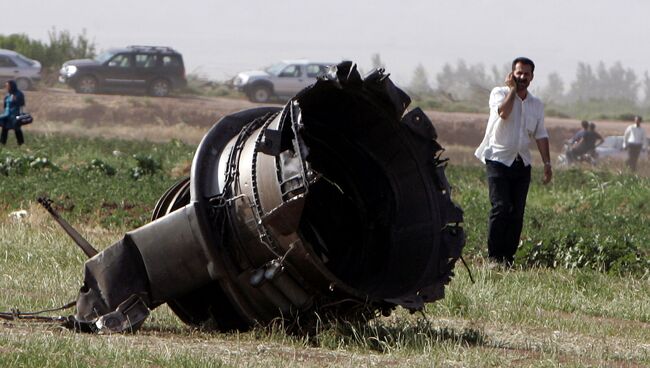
point(82, 190)
point(595, 219)
point(566, 315)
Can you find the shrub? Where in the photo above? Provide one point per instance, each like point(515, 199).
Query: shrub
point(102, 167)
point(146, 165)
point(20, 165)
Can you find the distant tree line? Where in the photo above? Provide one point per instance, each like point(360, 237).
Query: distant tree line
point(60, 47)
point(596, 92)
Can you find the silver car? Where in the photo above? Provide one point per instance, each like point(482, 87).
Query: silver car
point(25, 71)
point(281, 80)
point(612, 147)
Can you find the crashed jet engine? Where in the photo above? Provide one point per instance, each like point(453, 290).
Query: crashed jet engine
point(337, 203)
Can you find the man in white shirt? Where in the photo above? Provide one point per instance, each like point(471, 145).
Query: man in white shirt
point(516, 116)
point(633, 141)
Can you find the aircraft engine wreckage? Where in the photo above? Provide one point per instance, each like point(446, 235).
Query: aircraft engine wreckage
point(337, 204)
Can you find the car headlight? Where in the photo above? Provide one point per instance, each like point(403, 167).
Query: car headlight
point(69, 70)
point(240, 80)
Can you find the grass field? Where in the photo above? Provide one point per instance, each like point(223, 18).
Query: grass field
point(580, 296)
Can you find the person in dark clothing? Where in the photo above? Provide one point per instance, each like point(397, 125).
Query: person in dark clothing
point(584, 142)
point(576, 149)
point(592, 139)
point(578, 136)
point(13, 102)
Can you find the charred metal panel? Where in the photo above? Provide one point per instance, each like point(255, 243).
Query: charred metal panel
point(337, 203)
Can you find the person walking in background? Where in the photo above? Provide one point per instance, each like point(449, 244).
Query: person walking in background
point(633, 141)
point(13, 102)
point(516, 116)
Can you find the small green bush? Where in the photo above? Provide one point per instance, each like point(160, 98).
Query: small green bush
point(146, 165)
point(20, 165)
point(101, 166)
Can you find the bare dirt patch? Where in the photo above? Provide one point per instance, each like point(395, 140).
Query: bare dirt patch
point(187, 118)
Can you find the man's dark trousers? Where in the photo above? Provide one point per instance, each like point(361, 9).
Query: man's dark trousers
point(633, 151)
point(508, 191)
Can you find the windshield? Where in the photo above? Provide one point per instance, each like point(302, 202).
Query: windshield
point(25, 60)
point(104, 56)
point(276, 69)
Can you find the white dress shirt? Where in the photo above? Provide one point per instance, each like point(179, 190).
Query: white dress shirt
point(634, 135)
point(505, 139)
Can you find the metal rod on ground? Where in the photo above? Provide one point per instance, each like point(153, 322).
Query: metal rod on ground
point(88, 249)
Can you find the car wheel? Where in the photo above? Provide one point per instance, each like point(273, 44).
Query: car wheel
point(159, 88)
point(87, 84)
point(260, 94)
point(23, 84)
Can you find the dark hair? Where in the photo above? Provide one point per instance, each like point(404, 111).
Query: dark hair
point(638, 116)
point(592, 126)
point(12, 86)
point(584, 124)
point(525, 61)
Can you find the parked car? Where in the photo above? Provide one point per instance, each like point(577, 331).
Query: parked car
point(281, 80)
point(612, 147)
point(25, 71)
point(152, 69)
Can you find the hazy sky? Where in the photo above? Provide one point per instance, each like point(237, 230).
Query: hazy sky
point(220, 38)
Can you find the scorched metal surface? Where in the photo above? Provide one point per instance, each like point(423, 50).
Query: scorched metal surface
point(337, 203)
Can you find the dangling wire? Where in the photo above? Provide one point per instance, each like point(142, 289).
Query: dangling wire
point(468, 270)
point(17, 314)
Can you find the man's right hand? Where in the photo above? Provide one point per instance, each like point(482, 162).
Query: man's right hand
point(511, 82)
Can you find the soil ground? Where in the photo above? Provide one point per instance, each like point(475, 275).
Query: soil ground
point(188, 118)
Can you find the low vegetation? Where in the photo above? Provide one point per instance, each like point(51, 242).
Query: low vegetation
point(578, 298)
point(584, 219)
point(111, 183)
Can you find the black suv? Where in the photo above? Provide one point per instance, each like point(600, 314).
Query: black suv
point(152, 69)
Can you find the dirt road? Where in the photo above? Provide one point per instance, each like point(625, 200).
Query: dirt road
point(188, 118)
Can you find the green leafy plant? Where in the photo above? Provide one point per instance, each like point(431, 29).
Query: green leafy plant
point(101, 166)
point(146, 165)
point(19, 165)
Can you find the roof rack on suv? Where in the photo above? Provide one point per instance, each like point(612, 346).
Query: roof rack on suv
point(151, 48)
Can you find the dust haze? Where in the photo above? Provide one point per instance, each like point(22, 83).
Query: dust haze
point(221, 38)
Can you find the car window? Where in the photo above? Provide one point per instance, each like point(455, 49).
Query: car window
point(6, 62)
point(275, 69)
point(104, 56)
point(120, 61)
point(145, 60)
point(292, 71)
point(171, 61)
point(23, 60)
point(315, 70)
